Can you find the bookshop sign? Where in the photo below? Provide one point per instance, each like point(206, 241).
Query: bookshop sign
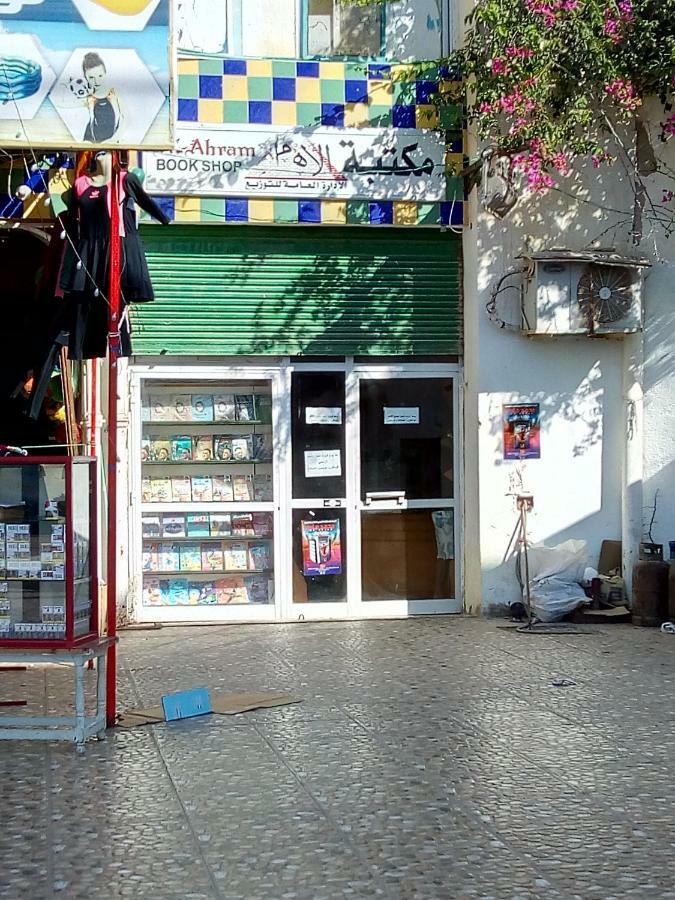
point(320, 163)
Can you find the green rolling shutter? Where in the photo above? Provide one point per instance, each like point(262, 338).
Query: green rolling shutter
point(320, 291)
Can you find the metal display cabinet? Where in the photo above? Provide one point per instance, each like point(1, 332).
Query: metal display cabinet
point(48, 552)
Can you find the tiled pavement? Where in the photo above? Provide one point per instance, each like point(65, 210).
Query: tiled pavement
point(430, 758)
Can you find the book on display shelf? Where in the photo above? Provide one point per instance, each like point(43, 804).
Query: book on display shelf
point(160, 489)
point(151, 557)
point(221, 524)
point(181, 408)
point(203, 447)
point(222, 447)
point(224, 408)
point(222, 489)
point(181, 448)
point(190, 558)
point(242, 525)
point(198, 525)
point(181, 489)
point(212, 557)
point(151, 526)
point(242, 487)
point(173, 526)
point(202, 489)
point(259, 557)
point(244, 407)
point(201, 407)
point(242, 447)
point(169, 557)
point(236, 557)
point(178, 592)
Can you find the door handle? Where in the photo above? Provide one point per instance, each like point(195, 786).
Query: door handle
point(384, 497)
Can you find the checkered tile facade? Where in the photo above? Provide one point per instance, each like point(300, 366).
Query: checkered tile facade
point(296, 93)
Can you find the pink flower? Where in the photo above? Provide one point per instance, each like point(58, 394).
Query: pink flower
point(499, 67)
point(624, 93)
point(519, 52)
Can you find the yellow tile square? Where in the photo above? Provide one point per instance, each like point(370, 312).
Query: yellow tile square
point(308, 90)
point(261, 68)
point(403, 72)
point(452, 90)
point(405, 213)
point(211, 111)
point(235, 87)
point(333, 212)
point(356, 114)
point(187, 209)
point(188, 67)
point(426, 116)
point(381, 92)
point(333, 70)
point(454, 163)
point(283, 112)
point(261, 210)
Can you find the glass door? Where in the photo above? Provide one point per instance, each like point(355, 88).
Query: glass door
point(319, 495)
point(407, 500)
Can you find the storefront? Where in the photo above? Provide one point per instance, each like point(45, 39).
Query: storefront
point(295, 426)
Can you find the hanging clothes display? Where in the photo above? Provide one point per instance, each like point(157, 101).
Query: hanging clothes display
point(86, 311)
point(82, 324)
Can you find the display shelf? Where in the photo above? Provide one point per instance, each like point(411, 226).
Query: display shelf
point(202, 506)
point(176, 426)
point(207, 462)
point(183, 573)
point(237, 538)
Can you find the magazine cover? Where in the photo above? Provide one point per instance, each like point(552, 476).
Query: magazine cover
point(223, 447)
point(222, 489)
point(178, 592)
point(221, 524)
point(201, 407)
point(230, 590)
point(259, 557)
point(262, 524)
point(160, 489)
point(202, 489)
point(181, 489)
point(256, 589)
point(151, 557)
point(146, 489)
point(242, 524)
point(159, 449)
point(180, 408)
point(152, 594)
point(203, 447)
point(173, 526)
point(242, 488)
point(223, 408)
point(522, 434)
point(190, 558)
point(181, 448)
point(151, 526)
point(236, 557)
point(197, 525)
point(321, 547)
point(242, 447)
point(245, 407)
point(169, 557)
point(212, 557)
point(262, 488)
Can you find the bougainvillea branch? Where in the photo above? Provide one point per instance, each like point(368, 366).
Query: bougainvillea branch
point(547, 76)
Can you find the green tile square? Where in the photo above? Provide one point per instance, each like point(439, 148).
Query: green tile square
point(213, 210)
point(308, 114)
point(188, 87)
point(235, 112)
point(454, 187)
point(210, 66)
point(379, 114)
point(356, 70)
point(286, 211)
point(283, 68)
point(449, 116)
point(259, 88)
point(332, 91)
point(405, 93)
point(428, 213)
point(358, 212)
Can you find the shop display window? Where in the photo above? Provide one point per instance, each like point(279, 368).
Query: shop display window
point(207, 490)
point(48, 577)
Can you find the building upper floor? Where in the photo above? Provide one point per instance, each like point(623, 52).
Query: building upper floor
point(396, 31)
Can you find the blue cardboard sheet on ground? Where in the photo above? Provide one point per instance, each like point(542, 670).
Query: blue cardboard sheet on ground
point(186, 704)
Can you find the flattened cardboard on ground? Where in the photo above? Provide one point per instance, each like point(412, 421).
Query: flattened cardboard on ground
point(222, 704)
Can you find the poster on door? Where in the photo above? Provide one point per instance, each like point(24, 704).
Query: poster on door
point(522, 431)
point(321, 547)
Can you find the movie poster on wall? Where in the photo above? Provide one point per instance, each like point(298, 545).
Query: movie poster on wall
point(522, 431)
point(321, 547)
point(85, 73)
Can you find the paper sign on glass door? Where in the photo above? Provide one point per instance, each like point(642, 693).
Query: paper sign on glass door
point(322, 463)
point(401, 415)
point(323, 415)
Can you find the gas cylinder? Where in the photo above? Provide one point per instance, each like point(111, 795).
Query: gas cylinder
point(650, 593)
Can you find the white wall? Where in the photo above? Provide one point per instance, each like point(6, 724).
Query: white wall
point(592, 462)
point(414, 30)
point(269, 28)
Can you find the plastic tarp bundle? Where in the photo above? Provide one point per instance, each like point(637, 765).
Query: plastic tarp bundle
point(555, 573)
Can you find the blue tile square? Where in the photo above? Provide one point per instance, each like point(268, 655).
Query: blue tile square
point(356, 91)
point(452, 213)
point(283, 88)
point(403, 116)
point(456, 145)
point(234, 67)
point(379, 72)
point(333, 114)
point(450, 73)
point(425, 90)
point(167, 205)
point(309, 211)
point(382, 212)
point(236, 210)
point(260, 112)
point(307, 69)
point(210, 87)
point(188, 110)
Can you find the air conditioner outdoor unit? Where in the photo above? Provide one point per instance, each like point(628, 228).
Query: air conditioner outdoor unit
point(582, 293)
